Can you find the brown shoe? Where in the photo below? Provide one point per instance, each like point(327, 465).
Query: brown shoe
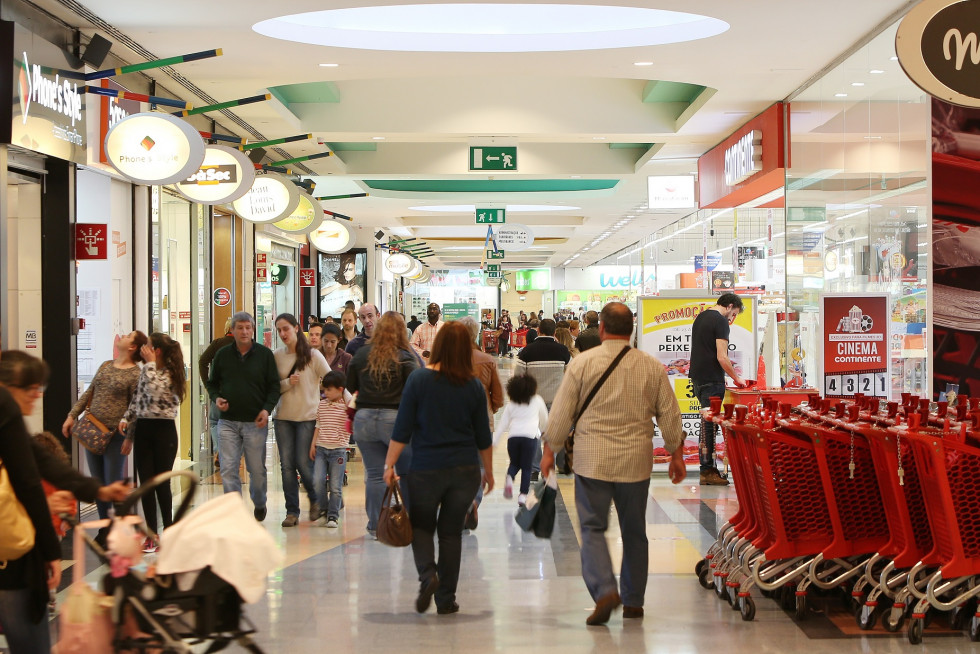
point(604, 607)
point(632, 611)
point(713, 478)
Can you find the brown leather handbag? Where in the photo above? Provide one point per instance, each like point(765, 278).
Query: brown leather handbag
point(394, 527)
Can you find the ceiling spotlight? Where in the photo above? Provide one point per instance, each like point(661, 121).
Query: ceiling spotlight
point(598, 138)
point(643, 63)
point(876, 72)
point(329, 65)
point(857, 83)
point(378, 138)
point(840, 95)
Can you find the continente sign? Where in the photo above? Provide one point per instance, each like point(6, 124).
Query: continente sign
point(939, 48)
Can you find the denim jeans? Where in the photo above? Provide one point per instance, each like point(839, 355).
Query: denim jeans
point(293, 440)
point(24, 636)
point(439, 502)
point(704, 393)
point(109, 466)
point(214, 415)
point(372, 431)
point(592, 500)
point(333, 463)
point(237, 437)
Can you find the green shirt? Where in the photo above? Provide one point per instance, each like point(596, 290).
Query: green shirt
point(249, 382)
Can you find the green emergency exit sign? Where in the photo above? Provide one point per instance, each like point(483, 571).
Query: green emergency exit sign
point(493, 158)
point(491, 216)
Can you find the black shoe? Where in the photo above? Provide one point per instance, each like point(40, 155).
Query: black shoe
point(472, 519)
point(259, 513)
point(426, 590)
point(446, 610)
point(535, 476)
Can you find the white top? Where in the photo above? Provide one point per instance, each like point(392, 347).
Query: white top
point(300, 402)
point(522, 420)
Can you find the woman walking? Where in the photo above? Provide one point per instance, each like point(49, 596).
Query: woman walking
point(107, 398)
point(443, 415)
point(504, 328)
point(300, 370)
point(378, 373)
point(154, 437)
point(330, 347)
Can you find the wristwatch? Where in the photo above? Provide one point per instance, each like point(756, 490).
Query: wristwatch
point(387, 466)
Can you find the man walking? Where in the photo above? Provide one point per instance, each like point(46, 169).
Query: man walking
point(244, 385)
point(614, 455)
point(545, 360)
point(589, 337)
point(368, 315)
point(425, 334)
point(709, 363)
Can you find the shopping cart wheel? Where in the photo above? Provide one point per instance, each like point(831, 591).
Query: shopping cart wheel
point(801, 607)
point(866, 617)
point(721, 590)
point(975, 629)
point(787, 597)
point(892, 621)
point(705, 578)
point(700, 566)
point(916, 626)
point(746, 606)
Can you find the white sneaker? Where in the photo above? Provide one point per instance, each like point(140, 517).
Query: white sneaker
point(321, 521)
point(332, 523)
point(508, 487)
point(521, 499)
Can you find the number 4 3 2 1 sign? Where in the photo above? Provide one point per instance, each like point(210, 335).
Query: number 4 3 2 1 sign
point(856, 347)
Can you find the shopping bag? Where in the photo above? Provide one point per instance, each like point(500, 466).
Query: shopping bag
point(85, 623)
point(544, 524)
point(528, 513)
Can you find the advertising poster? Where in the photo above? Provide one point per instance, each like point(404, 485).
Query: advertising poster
point(856, 345)
point(342, 278)
point(457, 310)
point(665, 325)
point(895, 244)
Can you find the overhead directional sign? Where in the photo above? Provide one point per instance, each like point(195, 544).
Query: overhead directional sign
point(495, 275)
point(491, 216)
point(493, 267)
point(495, 254)
point(493, 158)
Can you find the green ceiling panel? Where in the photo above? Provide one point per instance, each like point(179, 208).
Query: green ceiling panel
point(660, 91)
point(490, 186)
point(308, 92)
point(353, 147)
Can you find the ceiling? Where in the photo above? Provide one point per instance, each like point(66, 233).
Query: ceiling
point(590, 125)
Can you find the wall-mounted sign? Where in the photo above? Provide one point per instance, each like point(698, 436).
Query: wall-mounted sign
point(221, 297)
point(856, 350)
point(90, 241)
point(261, 274)
point(513, 236)
point(307, 277)
point(399, 263)
point(225, 175)
point(744, 158)
point(113, 110)
point(261, 258)
point(154, 148)
point(493, 158)
point(333, 236)
point(48, 110)
point(306, 218)
point(538, 279)
point(670, 192)
point(279, 274)
point(491, 216)
point(936, 44)
point(270, 198)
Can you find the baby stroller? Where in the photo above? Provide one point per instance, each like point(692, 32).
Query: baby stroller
point(172, 612)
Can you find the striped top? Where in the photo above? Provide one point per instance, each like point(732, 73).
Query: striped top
point(613, 438)
point(331, 425)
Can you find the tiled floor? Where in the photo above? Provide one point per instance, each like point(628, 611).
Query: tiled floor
point(342, 592)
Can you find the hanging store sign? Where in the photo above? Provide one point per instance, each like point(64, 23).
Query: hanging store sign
point(307, 216)
point(513, 237)
point(113, 111)
point(333, 237)
point(743, 159)
point(307, 277)
point(270, 198)
point(154, 149)
point(670, 192)
point(225, 175)
point(90, 241)
point(48, 104)
point(856, 350)
point(399, 263)
point(937, 46)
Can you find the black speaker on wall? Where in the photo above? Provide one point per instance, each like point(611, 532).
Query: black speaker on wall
point(96, 51)
point(256, 155)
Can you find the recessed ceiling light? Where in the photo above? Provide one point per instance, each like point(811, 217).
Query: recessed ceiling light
point(329, 65)
point(876, 72)
point(840, 95)
point(643, 63)
point(893, 58)
point(575, 177)
point(378, 138)
point(873, 138)
point(598, 138)
point(491, 27)
point(857, 83)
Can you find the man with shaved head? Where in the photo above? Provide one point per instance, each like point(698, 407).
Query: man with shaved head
point(368, 315)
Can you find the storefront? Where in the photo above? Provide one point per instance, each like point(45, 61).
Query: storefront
point(276, 283)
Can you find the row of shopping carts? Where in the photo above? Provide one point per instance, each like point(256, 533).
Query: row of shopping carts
point(880, 501)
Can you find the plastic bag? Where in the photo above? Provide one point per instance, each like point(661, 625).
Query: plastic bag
point(538, 512)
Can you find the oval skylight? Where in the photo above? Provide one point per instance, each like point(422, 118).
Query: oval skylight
point(491, 27)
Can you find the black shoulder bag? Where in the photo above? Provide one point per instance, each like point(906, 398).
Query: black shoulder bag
point(565, 467)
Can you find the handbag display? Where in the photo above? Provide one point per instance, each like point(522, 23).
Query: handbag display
point(566, 465)
point(394, 527)
point(85, 624)
point(16, 528)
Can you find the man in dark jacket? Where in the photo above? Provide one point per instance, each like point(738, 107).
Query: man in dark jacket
point(244, 385)
point(545, 347)
point(589, 337)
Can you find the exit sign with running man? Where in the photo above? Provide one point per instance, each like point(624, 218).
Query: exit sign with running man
point(493, 158)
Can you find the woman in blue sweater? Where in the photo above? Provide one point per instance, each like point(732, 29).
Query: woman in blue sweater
point(443, 414)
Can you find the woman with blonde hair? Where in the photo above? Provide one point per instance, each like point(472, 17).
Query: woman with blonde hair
point(378, 373)
point(564, 336)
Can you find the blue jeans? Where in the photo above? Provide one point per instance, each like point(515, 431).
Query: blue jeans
point(108, 466)
point(592, 500)
point(372, 432)
point(24, 636)
point(333, 463)
point(214, 415)
point(237, 437)
point(293, 440)
point(706, 449)
point(521, 451)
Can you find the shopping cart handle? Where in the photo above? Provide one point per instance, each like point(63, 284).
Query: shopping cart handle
point(163, 478)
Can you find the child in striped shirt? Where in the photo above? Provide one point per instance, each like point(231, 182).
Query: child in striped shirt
point(329, 449)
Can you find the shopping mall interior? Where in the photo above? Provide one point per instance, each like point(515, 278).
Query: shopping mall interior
point(167, 165)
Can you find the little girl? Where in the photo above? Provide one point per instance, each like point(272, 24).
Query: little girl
point(524, 418)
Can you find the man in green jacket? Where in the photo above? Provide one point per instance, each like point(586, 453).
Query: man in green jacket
point(244, 385)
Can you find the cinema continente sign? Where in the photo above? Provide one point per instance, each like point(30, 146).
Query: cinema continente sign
point(938, 46)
